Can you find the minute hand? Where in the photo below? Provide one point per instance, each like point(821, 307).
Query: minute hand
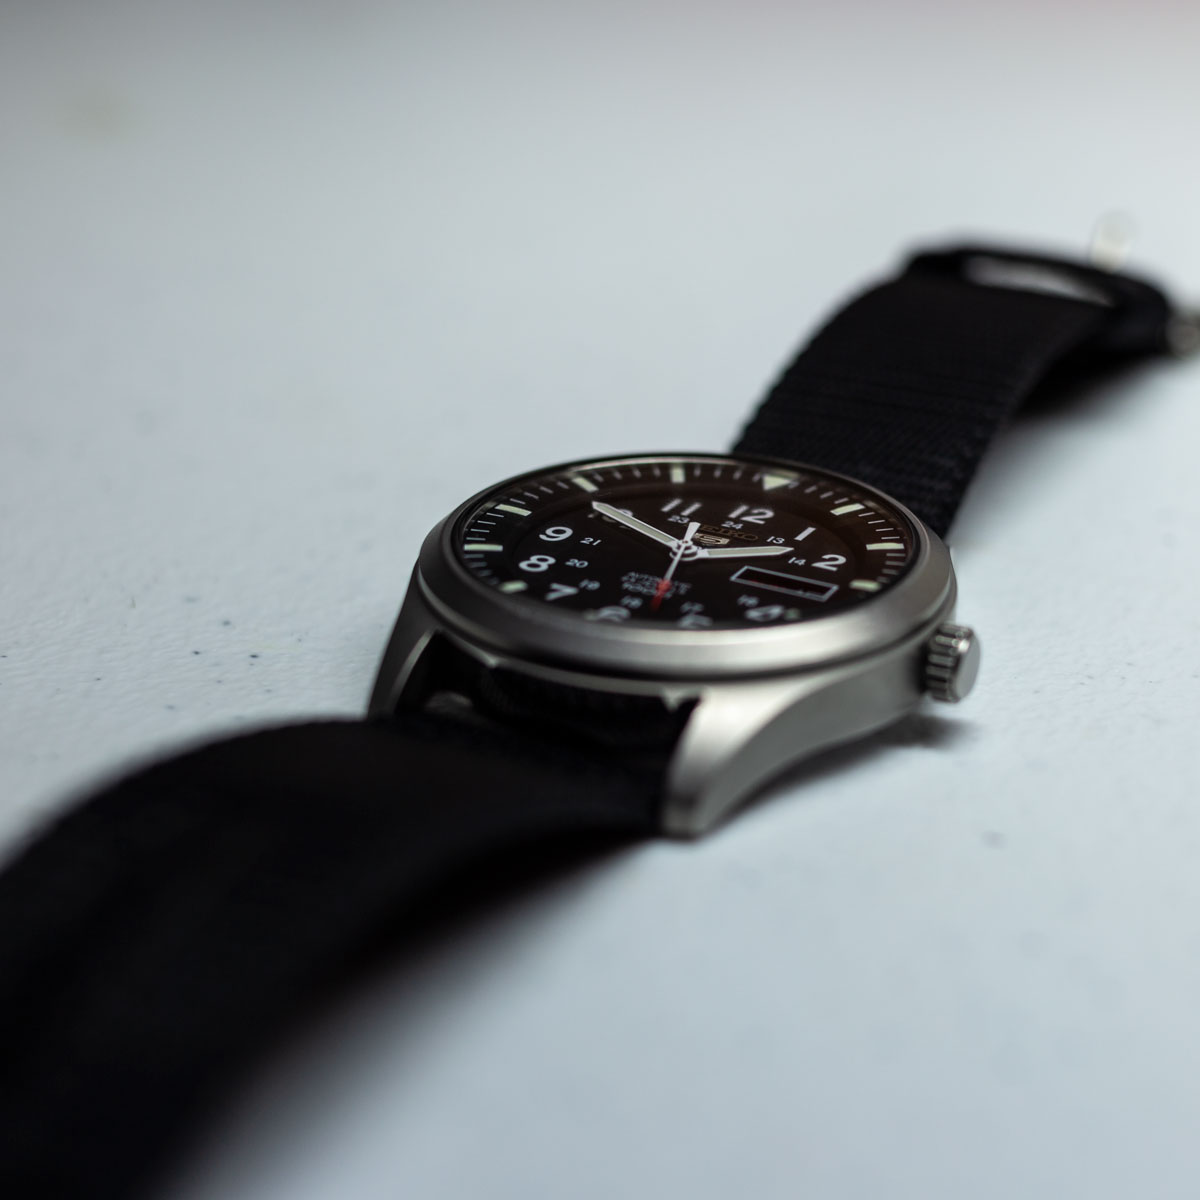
point(633, 523)
point(745, 551)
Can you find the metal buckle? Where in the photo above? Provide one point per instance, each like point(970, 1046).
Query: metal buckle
point(1108, 249)
point(1183, 333)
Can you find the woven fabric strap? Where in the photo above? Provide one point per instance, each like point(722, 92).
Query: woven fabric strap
point(905, 387)
point(155, 938)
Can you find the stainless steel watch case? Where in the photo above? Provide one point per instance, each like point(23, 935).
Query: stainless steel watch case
point(764, 699)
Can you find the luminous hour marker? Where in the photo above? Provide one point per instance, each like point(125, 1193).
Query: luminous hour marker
point(677, 474)
point(469, 546)
point(865, 585)
point(843, 510)
point(586, 484)
point(524, 512)
point(514, 585)
point(774, 481)
point(886, 546)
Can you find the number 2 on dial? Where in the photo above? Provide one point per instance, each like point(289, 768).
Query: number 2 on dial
point(829, 562)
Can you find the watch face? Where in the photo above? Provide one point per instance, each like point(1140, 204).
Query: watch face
point(692, 542)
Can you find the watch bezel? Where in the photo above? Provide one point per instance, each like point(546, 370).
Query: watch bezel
point(513, 627)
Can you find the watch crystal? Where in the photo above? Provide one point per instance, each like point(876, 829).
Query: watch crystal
point(694, 542)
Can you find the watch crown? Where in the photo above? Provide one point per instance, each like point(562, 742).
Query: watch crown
point(951, 663)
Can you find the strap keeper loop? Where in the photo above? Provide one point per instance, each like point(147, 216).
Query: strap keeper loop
point(1142, 320)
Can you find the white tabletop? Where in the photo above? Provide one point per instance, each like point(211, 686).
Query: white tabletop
point(281, 283)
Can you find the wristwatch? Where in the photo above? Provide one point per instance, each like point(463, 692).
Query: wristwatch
point(589, 654)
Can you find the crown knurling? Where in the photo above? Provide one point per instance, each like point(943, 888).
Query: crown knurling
point(951, 663)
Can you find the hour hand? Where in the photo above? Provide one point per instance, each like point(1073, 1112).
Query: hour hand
point(633, 523)
point(745, 551)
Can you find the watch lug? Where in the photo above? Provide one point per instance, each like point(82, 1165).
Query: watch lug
point(404, 667)
point(741, 735)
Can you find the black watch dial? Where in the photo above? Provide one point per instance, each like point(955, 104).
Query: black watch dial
point(694, 542)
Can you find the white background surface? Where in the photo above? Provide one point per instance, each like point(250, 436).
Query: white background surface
point(281, 283)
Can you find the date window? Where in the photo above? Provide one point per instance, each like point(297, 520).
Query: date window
point(780, 581)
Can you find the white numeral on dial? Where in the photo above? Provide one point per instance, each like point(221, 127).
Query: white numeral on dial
point(556, 533)
point(671, 505)
point(829, 562)
point(768, 612)
point(613, 612)
point(756, 516)
point(537, 562)
point(559, 590)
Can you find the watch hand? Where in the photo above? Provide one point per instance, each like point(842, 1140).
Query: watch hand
point(664, 584)
point(633, 523)
point(744, 551)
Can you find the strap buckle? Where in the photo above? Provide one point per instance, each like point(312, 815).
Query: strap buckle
point(1183, 333)
point(1108, 249)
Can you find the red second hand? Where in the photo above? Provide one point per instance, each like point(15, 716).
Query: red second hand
point(664, 584)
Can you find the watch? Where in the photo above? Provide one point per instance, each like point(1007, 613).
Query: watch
point(589, 654)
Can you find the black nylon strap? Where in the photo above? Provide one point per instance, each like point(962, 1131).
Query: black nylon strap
point(154, 938)
point(905, 387)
